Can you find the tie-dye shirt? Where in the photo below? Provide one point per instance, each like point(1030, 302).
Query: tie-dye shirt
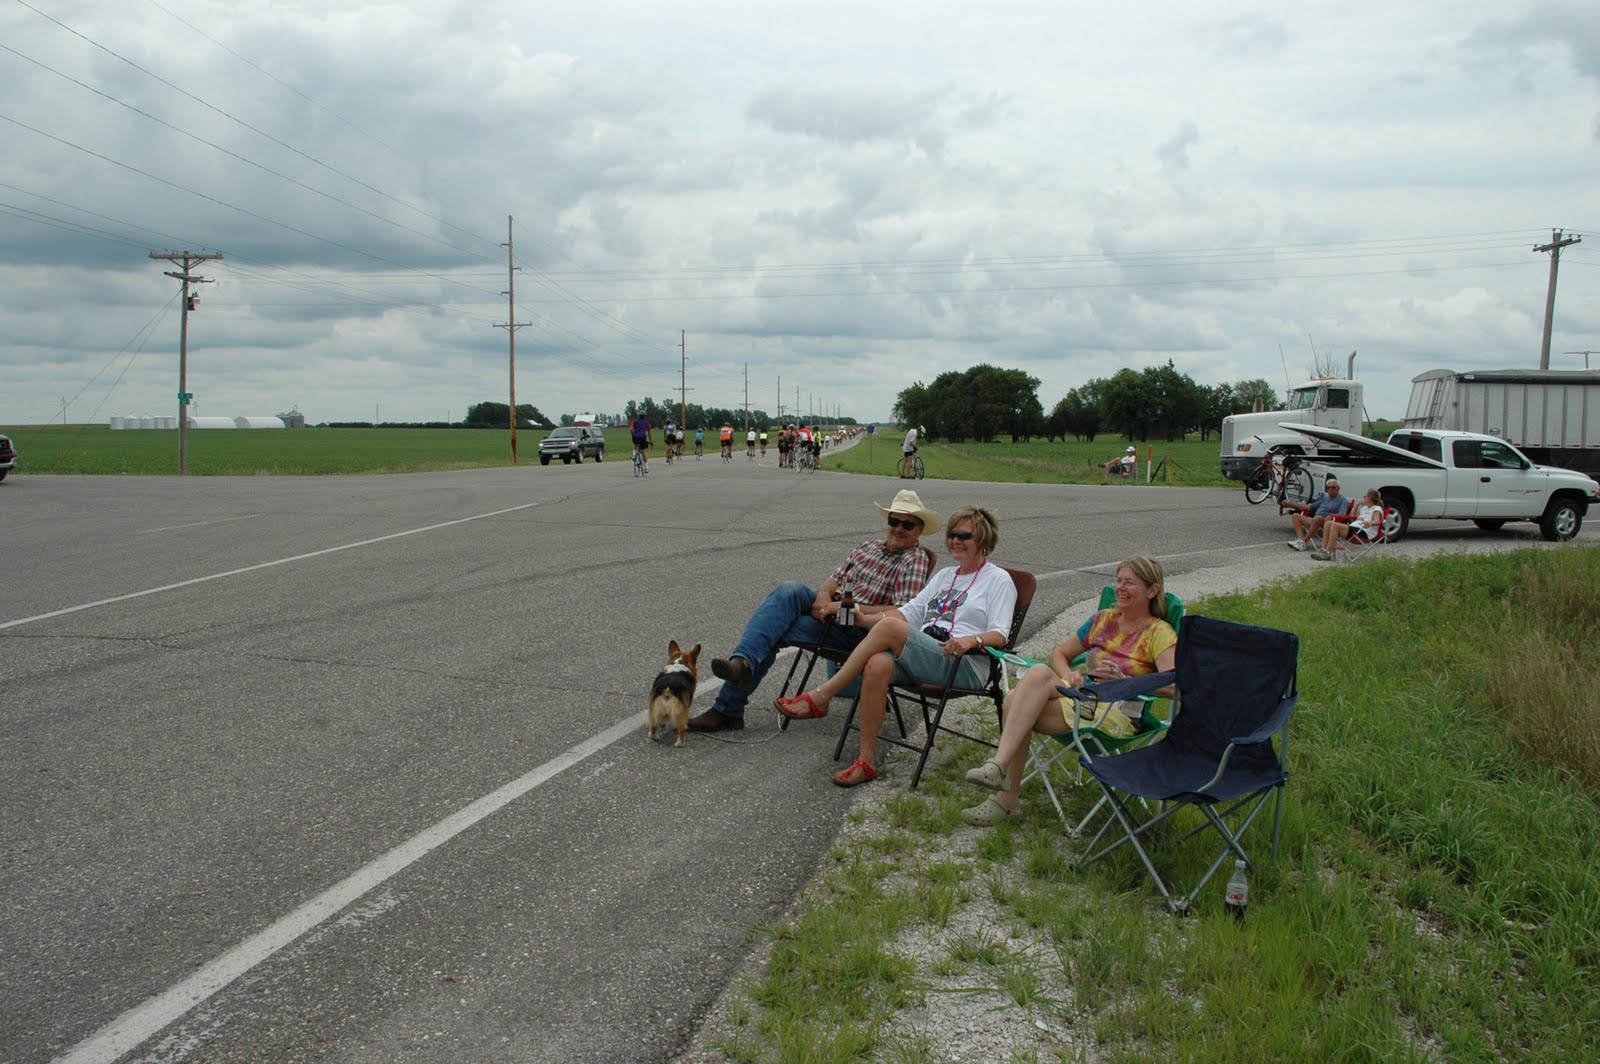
point(1135, 653)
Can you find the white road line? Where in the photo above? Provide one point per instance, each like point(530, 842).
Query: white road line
point(140, 1022)
point(119, 1037)
point(264, 565)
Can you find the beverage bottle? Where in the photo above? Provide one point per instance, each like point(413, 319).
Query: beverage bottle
point(1238, 893)
point(847, 609)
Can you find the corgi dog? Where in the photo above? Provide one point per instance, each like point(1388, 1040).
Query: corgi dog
point(673, 690)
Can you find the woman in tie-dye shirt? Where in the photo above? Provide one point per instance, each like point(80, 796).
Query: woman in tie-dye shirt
point(1130, 639)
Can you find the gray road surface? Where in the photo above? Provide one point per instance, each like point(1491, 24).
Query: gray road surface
point(246, 721)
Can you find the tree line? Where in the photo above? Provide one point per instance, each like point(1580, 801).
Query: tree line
point(1159, 402)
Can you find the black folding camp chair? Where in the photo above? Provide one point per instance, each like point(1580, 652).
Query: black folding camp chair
point(1236, 688)
point(931, 699)
point(808, 654)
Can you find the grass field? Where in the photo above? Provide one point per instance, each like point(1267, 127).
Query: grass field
point(1435, 899)
point(95, 449)
point(1191, 462)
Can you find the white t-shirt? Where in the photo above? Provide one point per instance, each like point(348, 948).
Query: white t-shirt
point(911, 441)
point(1368, 518)
point(979, 602)
point(1129, 460)
point(750, 437)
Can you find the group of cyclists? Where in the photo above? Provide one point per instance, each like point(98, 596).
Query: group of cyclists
point(797, 443)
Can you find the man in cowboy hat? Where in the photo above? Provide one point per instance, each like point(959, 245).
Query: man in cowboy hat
point(1122, 467)
point(880, 575)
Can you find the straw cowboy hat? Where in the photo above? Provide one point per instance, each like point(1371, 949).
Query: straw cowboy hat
point(907, 502)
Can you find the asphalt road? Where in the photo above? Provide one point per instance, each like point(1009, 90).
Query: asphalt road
point(246, 722)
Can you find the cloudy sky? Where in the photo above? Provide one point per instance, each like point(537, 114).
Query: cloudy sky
point(841, 197)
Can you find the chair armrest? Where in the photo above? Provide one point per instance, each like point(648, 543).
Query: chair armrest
point(1271, 726)
point(1343, 519)
point(1120, 690)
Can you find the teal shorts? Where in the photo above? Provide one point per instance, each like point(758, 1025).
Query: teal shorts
point(923, 662)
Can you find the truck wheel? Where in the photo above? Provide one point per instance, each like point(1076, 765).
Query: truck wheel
point(1489, 524)
point(600, 455)
point(1396, 519)
point(1561, 521)
point(544, 459)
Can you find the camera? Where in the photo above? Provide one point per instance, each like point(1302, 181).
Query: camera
point(939, 632)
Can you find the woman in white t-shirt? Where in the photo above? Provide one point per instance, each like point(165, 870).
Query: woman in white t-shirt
point(1362, 528)
point(962, 609)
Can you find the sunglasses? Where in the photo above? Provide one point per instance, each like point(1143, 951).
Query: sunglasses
point(910, 524)
point(962, 536)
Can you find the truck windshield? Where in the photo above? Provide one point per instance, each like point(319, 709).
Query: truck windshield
point(1303, 399)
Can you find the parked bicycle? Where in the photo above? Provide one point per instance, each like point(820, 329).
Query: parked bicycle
point(1278, 476)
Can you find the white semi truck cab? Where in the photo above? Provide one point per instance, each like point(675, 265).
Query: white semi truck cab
point(1330, 402)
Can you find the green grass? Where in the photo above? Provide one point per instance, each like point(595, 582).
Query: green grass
point(1436, 896)
point(1190, 462)
point(95, 449)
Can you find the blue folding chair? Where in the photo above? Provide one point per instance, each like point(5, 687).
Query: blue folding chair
point(1236, 688)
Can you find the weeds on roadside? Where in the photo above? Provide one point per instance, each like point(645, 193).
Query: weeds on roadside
point(1435, 897)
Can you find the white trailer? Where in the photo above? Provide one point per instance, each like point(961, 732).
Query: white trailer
point(1551, 415)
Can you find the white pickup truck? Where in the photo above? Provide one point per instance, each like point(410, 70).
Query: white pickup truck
point(1463, 476)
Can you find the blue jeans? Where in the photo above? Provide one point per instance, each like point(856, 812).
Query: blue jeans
point(783, 616)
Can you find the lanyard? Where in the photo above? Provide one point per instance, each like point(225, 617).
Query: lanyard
point(948, 600)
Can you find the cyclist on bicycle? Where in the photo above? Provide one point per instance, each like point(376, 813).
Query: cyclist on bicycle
point(640, 428)
point(699, 443)
point(785, 445)
point(727, 442)
point(763, 443)
point(750, 443)
point(680, 443)
point(908, 449)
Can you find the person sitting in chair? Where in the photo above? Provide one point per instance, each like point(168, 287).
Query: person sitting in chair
point(1131, 639)
point(1363, 528)
point(1310, 517)
point(880, 575)
point(1122, 466)
point(964, 608)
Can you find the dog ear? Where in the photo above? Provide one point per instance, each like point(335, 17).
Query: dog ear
point(692, 656)
point(673, 650)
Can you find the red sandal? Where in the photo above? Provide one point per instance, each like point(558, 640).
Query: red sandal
point(858, 773)
point(790, 707)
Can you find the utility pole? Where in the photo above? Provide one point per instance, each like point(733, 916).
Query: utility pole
point(1585, 355)
point(1557, 242)
point(780, 401)
point(747, 397)
point(511, 325)
point(683, 378)
point(190, 260)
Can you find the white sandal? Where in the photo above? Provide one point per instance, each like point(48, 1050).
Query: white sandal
point(990, 774)
point(989, 813)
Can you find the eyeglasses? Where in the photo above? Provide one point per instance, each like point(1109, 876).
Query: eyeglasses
point(1130, 582)
point(909, 524)
point(962, 536)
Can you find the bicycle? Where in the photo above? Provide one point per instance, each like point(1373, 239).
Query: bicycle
point(911, 467)
point(808, 460)
point(1278, 476)
point(699, 449)
point(639, 468)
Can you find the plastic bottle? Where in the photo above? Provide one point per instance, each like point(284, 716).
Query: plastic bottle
point(1238, 894)
point(847, 609)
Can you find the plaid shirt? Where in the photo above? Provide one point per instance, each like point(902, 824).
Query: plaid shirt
point(877, 576)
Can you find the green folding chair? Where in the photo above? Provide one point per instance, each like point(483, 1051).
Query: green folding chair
point(1047, 751)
